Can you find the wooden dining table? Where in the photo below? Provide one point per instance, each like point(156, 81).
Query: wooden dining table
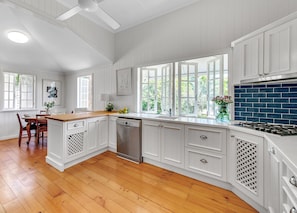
point(32, 120)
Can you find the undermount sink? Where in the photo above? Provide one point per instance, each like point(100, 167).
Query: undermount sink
point(167, 117)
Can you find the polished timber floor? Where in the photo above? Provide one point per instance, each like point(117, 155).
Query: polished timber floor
point(104, 183)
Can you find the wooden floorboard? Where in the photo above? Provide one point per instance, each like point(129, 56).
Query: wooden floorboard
point(104, 183)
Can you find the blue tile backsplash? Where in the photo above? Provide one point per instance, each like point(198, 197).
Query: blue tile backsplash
point(272, 103)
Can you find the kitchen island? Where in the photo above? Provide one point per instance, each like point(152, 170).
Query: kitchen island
point(73, 138)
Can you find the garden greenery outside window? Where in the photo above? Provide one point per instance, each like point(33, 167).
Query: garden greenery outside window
point(19, 91)
point(185, 87)
point(85, 92)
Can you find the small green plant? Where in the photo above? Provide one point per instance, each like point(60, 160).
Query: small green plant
point(49, 105)
point(109, 107)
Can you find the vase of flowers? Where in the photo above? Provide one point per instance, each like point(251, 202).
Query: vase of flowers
point(222, 102)
point(48, 106)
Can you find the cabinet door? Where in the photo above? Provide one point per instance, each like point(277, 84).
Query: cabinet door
point(112, 133)
point(93, 134)
point(151, 140)
point(173, 145)
point(273, 179)
point(248, 59)
point(75, 140)
point(103, 132)
point(281, 49)
point(246, 158)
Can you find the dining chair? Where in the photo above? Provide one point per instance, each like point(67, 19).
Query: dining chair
point(41, 126)
point(23, 127)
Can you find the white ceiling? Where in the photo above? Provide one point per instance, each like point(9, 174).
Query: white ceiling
point(129, 13)
point(55, 48)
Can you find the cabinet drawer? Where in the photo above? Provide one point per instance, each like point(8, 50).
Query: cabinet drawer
point(207, 164)
point(75, 125)
point(206, 138)
point(288, 201)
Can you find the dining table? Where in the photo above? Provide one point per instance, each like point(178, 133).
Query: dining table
point(32, 120)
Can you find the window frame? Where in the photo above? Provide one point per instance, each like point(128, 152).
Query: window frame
point(176, 99)
point(18, 91)
point(91, 92)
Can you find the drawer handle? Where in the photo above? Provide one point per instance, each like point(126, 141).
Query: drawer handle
point(203, 137)
point(203, 161)
point(293, 181)
point(75, 125)
point(293, 210)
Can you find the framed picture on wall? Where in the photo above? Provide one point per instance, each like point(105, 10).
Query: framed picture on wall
point(124, 81)
point(51, 91)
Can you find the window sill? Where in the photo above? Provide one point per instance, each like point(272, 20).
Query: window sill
point(17, 110)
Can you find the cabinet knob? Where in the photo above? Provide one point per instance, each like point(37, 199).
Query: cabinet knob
point(293, 181)
point(203, 137)
point(272, 151)
point(203, 161)
point(293, 210)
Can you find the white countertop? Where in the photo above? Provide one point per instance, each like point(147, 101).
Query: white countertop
point(184, 120)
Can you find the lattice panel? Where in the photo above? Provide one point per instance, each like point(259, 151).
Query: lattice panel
point(75, 143)
point(246, 164)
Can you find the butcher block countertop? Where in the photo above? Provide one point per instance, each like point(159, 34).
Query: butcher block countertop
point(78, 116)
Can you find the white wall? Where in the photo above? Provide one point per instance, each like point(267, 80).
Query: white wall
point(202, 29)
point(9, 126)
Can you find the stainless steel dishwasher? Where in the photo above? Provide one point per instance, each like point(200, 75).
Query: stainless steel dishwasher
point(129, 139)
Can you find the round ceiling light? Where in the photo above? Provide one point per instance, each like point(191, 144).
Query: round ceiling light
point(17, 37)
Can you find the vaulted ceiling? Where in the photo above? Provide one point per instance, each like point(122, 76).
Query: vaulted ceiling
point(55, 47)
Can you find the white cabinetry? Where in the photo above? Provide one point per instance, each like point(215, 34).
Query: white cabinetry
point(269, 52)
point(246, 158)
point(72, 142)
point(97, 136)
point(248, 58)
point(112, 133)
point(281, 49)
point(75, 140)
point(151, 140)
point(273, 178)
point(172, 144)
point(163, 142)
point(288, 187)
point(206, 151)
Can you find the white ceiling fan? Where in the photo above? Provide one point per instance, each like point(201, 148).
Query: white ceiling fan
point(90, 6)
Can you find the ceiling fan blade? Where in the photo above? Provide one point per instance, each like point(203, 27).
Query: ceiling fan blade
point(69, 13)
point(107, 19)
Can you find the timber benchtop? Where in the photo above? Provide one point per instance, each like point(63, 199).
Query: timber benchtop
point(78, 116)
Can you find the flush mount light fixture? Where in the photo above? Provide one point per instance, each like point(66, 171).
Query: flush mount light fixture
point(17, 37)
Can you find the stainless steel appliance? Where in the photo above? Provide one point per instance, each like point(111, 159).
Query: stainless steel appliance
point(129, 139)
point(279, 129)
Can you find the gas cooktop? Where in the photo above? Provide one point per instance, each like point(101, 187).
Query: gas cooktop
point(279, 129)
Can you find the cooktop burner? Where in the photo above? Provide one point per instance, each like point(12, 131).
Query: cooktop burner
point(279, 129)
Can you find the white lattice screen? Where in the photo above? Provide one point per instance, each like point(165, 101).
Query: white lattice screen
point(75, 143)
point(246, 164)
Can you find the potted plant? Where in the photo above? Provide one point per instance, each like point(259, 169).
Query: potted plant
point(109, 107)
point(48, 106)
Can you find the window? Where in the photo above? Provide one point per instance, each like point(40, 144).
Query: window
point(84, 92)
point(156, 88)
point(19, 91)
point(186, 87)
